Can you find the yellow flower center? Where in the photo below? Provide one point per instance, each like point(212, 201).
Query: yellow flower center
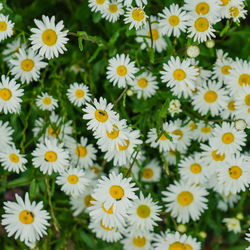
point(47, 100)
point(227, 138)
point(173, 20)
point(95, 169)
point(247, 100)
point(101, 115)
point(224, 2)
point(121, 70)
point(147, 173)
point(81, 151)
point(26, 217)
point(113, 8)
point(172, 152)
point(226, 69)
point(49, 37)
point(210, 96)
point(201, 24)
point(179, 74)
point(109, 211)
point(217, 156)
point(231, 106)
point(177, 246)
point(235, 172)
point(244, 79)
point(155, 34)
point(163, 137)
point(195, 168)
point(73, 179)
point(185, 198)
point(53, 131)
point(125, 146)
point(114, 133)
point(188, 247)
point(27, 65)
point(106, 228)
point(87, 200)
point(202, 8)
point(138, 14)
point(14, 158)
point(192, 126)
point(3, 26)
point(116, 192)
point(139, 241)
point(206, 130)
point(79, 93)
point(5, 94)
point(100, 1)
point(234, 11)
point(142, 82)
point(143, 211)
point(50, 156)
point(178, 132)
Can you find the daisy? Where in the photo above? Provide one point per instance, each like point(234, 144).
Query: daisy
point(159, 43)
point(138, 2)
point(27, 66)
point(235, 10)
point(203, 132)
point(229, 111)
point(227, 139)
point(73, 181)
point(185, 202)
point(49, 38)
point(232, 224)
point(50, 157)
point(170, 156)
point(115, 191)
point(113, 11)
point(83, 154)
point(10, 93)
point(211, 97)
point(145, 85)
point(179, 76)
point(151, 172)
point(200, 28)
point(6, 27)
point(143, 215)
point(12, 160)
point(121, 70)
point(25, 220)
point(46, 102)
point(173, 21)
point(174, 107)
point(98, 5)
point(78, 94)
point(95, 170)
point(228, 201)
point(136, 17)
point(192, 244)
point(100, 115)
point(5, 134)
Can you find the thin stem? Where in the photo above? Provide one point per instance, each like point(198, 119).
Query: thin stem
point(133, 162)
point(150, 31)
point(121, 95)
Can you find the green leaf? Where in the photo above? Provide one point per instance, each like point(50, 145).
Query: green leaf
point(80, 43)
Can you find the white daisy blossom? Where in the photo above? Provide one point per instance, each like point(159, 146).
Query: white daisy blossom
point(50, 157)
point(170, 157)
point(179, 76)
point(46, 102)
point(10, 93)
point(12, 160)
point(185, 202)
point(98, 5)
point(115, 191)
point(232, 224)
point(229, 110)
point(25, 220)
point(235, 10)
point(78, 94)
point(26, 66)
point(228, 201)
point(6, 27)
point(5, 134)
point(203, 131)
point(159, 43)
point(49, 38)
point(138, 2)
point(73, 181)
point(113, 11)
point(145, 85)
point(174, 107)
point(151, 172)
point(121, 70)
point(210, 97)
point(136, 17)
point(173, 20)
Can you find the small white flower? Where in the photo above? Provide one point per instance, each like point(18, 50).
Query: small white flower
point(113, 11)
point(232, 224)
point(136, 17)
point(6, 27)
point(46, 102)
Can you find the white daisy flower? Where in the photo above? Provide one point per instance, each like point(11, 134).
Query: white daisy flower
point(10, 93)
point(98, 5)
point(115, 191)
point(228, 201)
point(95, 171)
point(46, 102)
point(26, 66)
point(49, 38)
point(232, 224)
point(76, 68)
point(113, 11)
point(203, 132)
point(235, 10)
point(211, 97)
point(6, 27)
point(73, 181)
point(12, 160)
point(230, 110)
point(192, 126)
point(191, 243)
point(136, 17)
point(143, 215)
point(101, 116)
point(170, 156)
point(145, 85)
point(138, 2)
point(179, 76)
point(151, 172)
point(200, 28)
point(159, 43)
point(227, 139)
point(50, 157)
point(78, 94)
point(174, 107)
point(173, 20)
point(6, 133)
point(234, 175)
point(185, 202)
point(83, 154)
point(25, 220)
point(121, 70)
